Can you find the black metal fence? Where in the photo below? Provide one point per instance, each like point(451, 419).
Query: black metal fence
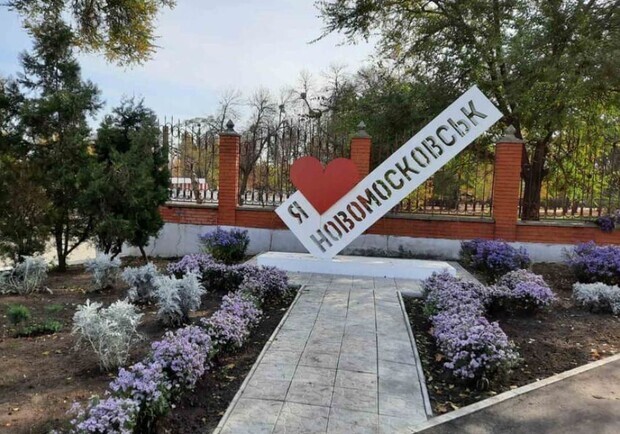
point(193, 162)
point(581, 187)
point(463, 187)
point(266, 156)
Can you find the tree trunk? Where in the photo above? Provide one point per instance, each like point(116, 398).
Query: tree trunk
point(243, 185)
point(533, 174)
point(146, 258)
point(60, 253)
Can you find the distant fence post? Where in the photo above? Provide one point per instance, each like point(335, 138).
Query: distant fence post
point(360, 150)
point(506, 185)
point(228, 187)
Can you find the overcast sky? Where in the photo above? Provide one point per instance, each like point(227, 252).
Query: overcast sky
point(208, 47)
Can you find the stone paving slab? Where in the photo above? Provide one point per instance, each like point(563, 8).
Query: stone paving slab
point(341, 362)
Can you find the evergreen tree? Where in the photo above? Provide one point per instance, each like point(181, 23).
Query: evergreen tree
point(55, 121)
point(131, 178)
point(124, 30)
point(24, 205)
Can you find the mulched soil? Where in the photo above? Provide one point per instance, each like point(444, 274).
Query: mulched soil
point(561, 338)
point(42, 376)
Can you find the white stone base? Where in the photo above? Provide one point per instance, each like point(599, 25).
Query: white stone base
point(355, 265)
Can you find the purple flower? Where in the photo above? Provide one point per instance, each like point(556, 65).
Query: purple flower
point(183, 355)
point(109, 416)
point(473, 347)
point(145, 383)
point(265, 283)
point(524, 290)
point(607, 223)
point(493, 258)
point(592, 263)
point(231, 324)
point(226, 245)
point(194, 263)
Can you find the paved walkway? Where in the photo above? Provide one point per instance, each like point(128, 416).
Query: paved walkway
point(342, 362)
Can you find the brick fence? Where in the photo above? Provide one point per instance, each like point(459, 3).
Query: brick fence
point(504, 223)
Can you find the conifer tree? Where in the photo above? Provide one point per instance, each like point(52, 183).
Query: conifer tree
point(131, 178)
point(55, 121)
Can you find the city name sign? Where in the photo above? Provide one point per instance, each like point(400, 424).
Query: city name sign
point(327, 231)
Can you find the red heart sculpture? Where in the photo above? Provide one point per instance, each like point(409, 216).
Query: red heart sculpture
point(324, 186)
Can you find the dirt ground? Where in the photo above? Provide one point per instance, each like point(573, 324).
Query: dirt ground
point(41, 376)
point(552, 341)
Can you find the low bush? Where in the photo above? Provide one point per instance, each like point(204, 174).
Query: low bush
point(147, 384)
point(110, 416)
point(18, 313)
point(265, 283)
point(592, 263)
point(609, 222)
point(49, 327)
point(446, 292)
point(493, 258)
point(261, 282)
point(141, 281)
point(198, 263)
point(598, 297)
point(522, 290)
point(215, 276)
point(27, 277)
point(474, 348)
point(184, 356)
point(105, 271)
point(230, 326)
point(176, 298)
point(110, 332)
point(228, 246)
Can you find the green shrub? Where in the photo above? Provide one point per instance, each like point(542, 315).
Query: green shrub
point(228, 246)
point(49, 327)
point(18, 313)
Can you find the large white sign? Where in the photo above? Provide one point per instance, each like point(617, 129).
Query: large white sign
point(324, 235)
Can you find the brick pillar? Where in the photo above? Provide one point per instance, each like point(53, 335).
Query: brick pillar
point(506, 185)
point(360, 150)
point(228, 176)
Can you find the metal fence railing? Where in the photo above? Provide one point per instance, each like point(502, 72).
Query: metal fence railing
point(193, 162)
point(463, 187)
point(266, 156)
point(582, 187)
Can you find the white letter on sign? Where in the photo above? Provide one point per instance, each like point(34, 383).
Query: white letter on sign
point(424, 154)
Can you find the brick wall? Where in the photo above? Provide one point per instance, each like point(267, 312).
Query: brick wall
point(504, 224)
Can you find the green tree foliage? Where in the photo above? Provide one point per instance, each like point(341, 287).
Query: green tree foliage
point(131, 178)
point(546, 63)
point(124, 30)
point(24, 205)
point(55, 122)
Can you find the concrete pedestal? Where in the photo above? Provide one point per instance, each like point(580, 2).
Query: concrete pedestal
point(355, 265)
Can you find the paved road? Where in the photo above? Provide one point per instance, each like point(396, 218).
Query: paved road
point(586, 403)
point(342, 362)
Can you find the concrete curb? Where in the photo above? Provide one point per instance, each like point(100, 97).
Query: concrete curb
point(512, 394)
point(237, 396)
point(418, 363)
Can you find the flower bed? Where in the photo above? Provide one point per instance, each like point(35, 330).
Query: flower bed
point(474, 348)
point(146, 390)
point(559, 337)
